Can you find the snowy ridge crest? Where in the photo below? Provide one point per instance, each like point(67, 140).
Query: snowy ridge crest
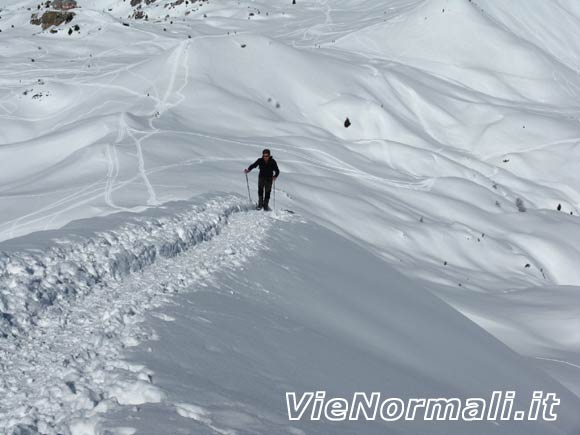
point(32, 280)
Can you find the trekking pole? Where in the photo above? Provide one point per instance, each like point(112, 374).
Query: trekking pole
point(274, 196)
point(248, 184)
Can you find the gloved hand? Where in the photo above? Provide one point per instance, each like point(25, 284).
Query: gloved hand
point(246, 171)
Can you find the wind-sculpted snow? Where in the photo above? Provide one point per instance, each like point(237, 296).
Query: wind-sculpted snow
point(33, 280)
point(459, 164)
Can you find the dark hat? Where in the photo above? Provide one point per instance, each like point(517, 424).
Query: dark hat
point(266, 151)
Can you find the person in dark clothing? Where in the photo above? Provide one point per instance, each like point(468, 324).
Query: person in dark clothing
point(268, 173)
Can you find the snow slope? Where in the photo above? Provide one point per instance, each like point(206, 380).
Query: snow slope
point(459, 169)
point(320, 325)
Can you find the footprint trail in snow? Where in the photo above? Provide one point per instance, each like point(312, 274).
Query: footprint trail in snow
point(70, 368)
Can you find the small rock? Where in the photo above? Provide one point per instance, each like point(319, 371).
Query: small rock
point(52, 18)
point(64, 5)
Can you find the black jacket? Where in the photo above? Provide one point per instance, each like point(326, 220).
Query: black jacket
point(266, 169)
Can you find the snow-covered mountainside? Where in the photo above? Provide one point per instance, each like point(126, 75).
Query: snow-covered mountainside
point(430, 152)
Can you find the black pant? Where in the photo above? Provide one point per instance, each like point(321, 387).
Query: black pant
point(264, 197)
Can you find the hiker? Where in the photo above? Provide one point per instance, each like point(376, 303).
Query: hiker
point(268, 173)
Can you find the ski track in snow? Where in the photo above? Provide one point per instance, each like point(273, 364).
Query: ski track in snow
point(113, 166)
point(69, 368)
point(181, 58)
point(152, 200)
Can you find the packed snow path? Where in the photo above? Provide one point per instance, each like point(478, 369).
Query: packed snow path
point(70, 361)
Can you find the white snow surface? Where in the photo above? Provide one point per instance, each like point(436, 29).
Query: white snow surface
point(435, 244)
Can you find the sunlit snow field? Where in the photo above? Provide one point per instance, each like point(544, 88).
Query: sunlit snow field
point(433, 249)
